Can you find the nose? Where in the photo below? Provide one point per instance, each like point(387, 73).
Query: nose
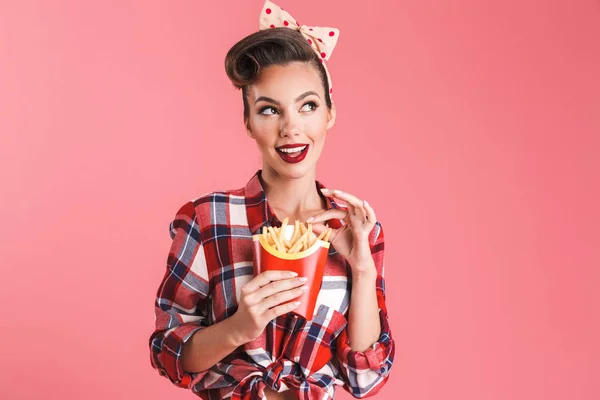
point(290, 125)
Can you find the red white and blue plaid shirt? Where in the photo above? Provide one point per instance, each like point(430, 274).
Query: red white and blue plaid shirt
point(210, 259)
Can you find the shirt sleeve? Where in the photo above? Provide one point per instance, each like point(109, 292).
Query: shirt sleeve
point(181, 305)
point(365, 373)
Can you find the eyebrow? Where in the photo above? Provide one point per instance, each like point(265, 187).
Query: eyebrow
point(303, 95)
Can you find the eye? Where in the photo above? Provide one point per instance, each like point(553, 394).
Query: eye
point(262, 110)
point(313, 104)
point(310, 103)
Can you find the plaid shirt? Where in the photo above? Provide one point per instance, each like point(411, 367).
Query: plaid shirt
point(210, 259)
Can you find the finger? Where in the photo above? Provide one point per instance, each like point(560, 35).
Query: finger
point(281, 297)
point(347, 197)
point(354, 204)
point(327, 215)
point(273, 288)
point(371, 217)
point(318, 228)
point(358, 213)
point(280, 310)
point(264, 278)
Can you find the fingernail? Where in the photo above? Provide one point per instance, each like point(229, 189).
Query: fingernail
point(366, 202)
point(310, 219)
point(293, 273)
point(325, 190)
point(303, 279)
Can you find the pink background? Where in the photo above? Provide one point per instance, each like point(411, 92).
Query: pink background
point(471, 127)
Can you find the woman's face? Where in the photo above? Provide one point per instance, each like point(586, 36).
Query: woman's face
point(287, 107)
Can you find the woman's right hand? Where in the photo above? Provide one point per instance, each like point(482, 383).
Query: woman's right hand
point(260, 302)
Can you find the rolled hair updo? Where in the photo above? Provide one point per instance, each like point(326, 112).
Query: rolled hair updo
point(275, 46)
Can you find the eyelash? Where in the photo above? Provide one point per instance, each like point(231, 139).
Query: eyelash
point(315, 106)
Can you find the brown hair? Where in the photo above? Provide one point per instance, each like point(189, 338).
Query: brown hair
point(274, 46)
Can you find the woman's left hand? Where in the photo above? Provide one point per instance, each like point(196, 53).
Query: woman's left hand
point(352, 239)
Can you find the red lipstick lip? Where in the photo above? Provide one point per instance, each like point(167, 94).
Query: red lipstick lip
point(295, 159)
point(291, 146)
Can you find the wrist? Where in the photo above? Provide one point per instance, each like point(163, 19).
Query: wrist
point(234, 338)
point(363, 266)
point(364, 271)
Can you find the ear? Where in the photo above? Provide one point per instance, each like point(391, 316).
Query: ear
point(331, 114)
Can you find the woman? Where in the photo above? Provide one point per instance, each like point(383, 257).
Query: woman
point(220, 331)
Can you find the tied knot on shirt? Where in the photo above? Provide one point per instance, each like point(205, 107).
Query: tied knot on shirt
point(283, 366)
point(278, 371)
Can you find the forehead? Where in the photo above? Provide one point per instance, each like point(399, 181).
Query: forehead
point(284, 82)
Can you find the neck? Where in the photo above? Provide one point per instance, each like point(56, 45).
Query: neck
point(291, 197)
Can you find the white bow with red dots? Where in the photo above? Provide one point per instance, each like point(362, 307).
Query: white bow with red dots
point(322, 39)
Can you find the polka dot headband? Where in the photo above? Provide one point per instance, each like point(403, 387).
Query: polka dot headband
point(322, 39)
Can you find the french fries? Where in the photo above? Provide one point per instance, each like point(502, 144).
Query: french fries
point(302, 238)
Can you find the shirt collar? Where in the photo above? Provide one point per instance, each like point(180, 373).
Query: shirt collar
point(259, 212)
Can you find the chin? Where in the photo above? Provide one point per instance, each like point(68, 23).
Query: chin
point(295, 171)
point(292, 171)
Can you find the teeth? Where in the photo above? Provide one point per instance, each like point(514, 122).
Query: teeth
point(295, 150)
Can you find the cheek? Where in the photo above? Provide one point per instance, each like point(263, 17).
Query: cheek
point(318, 131)
point(263, 144)
point(263, 131)
point(263, 141)
point(322, 122)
